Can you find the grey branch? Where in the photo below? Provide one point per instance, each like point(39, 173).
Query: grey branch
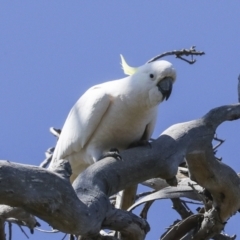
point(19, 216)
point(179, 53)
point(85, 209)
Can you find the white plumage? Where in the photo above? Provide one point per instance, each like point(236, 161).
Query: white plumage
point(114, 114)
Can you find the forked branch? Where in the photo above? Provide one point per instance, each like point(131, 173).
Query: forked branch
point(179, 54)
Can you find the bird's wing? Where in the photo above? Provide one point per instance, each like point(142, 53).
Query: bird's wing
point(82, 121)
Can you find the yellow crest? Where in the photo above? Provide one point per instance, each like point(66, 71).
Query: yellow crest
point(126, 68)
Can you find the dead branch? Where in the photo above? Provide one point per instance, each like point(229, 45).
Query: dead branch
point(181, 228)
point(85, 208)
point(181, 208)
point(18, 216)
point(179, 53)
point(145, 209)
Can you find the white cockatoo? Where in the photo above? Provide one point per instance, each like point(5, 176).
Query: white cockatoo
point(114, 114)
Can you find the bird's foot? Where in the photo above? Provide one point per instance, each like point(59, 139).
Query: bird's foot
point(113, 152)
point(141, 143)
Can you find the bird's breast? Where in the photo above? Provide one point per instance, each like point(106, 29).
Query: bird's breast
point(120, 127)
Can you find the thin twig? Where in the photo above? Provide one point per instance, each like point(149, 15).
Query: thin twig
point(64, 236)
point(223, 236)
point(10, 230)
point(71, 237)
point(219, 159)
point(144, 194)
point(200, 195)
point(179, 53)
point(191, 202)
point(46, 231)
point(220, 142)
point(180, 208)
point(23, 231)
point(45, 162)
point(145, 209)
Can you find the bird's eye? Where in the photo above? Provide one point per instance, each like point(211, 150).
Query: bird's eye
point(151, 75)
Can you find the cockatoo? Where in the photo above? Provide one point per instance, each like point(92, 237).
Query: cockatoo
point(114, 114)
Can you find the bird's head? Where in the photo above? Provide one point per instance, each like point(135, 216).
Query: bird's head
point(157, 77)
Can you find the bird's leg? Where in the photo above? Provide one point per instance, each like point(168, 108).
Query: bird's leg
point(113, 152)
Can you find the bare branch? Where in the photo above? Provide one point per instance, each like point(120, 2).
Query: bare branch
point(86, 209)
point(179, 53)
point(140, 195)
point(86, 217)
point(18, 216)
point(2, 230)
point(223, 236)
point(145, 209)
point(180, 208)
point(10, 231)
point(22, 230)
point(220, 142)
point(183, 227)
point(219, 179)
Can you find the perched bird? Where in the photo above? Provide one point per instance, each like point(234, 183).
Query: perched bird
point(114, 114)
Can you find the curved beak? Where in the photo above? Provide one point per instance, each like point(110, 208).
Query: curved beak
point(165, 87)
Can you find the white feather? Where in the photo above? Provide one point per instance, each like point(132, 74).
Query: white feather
point(114, 114)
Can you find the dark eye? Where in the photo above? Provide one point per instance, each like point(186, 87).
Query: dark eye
point(151, 75)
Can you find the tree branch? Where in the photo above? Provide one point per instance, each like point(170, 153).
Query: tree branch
point(179, 53)
point(18, 216)
point(86, 209)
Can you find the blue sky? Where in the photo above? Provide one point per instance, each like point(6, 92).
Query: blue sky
point(53, 51)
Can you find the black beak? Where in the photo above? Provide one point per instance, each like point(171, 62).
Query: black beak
point(165, 87)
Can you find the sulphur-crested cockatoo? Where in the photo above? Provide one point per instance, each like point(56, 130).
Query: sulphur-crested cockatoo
point(114, 114)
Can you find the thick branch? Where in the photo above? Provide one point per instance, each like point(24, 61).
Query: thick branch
point(219, 179)
point(50, 196)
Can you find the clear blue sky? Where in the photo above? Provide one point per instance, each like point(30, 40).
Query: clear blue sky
point(53, 51)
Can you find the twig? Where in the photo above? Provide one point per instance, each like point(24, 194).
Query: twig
point(71, 237)
point(180, 208)
point(181, 228)
point(23, 231)
point(219, 159)
point(10, 230)
point(64, 236)
point(145, 209)
point(222, 236)
point(46, 231)
point(179, 53)
point(46, 162)
point(220, 142)
point(144, 194)
point(200, 195)
point(2, 229)
point(191, 202)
